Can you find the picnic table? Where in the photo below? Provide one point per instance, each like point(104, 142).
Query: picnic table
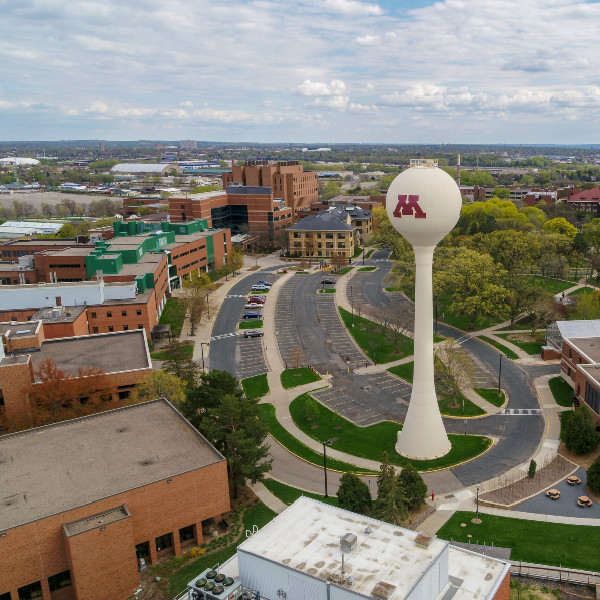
point(573, 480)
point(584, 501)
point(554, 494)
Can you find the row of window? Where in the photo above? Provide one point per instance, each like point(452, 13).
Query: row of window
point(34, 590)
point(164, 542)
point(111, 328)
point(123, 313)
point(61, 266)
point(7, 253)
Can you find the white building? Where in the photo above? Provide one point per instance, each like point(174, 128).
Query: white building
point(13, 229)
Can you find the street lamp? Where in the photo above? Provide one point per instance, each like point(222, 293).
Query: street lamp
point(363, 257)
point(352, 302)
point(326, 443)
point(499, 373)
point(465, 427)
point(478, 487)
point(202, 344)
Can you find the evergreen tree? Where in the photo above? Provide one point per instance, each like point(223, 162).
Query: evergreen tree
point(581, 435)
point(413, 486)
point(391, 504)
point(353, 494)
point(593, 476)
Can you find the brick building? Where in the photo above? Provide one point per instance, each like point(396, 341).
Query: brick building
point(24, 347)
point(90, 496)
point(586, 201)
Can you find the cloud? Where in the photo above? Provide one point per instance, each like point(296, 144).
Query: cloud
point(338, 102)
point(352, 7)
point(313, 88)
point(367, 40)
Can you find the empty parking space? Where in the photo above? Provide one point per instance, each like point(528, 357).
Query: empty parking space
point(288, 339)
point(251, 359)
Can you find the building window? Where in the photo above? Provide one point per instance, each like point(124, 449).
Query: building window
point(164, 542)
point(109, 313)
point(28, 592)
point(186, 534)
point(56, 582)
point(93, 315)
point(111, 328)
point(95, 330)
point(138, 311)
point(142, 550)
point(140, 326)
point(123, 313)
point(125, 327)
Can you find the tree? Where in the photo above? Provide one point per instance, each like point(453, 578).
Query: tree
point(353, 494)
point(593, 476)
point(234, 428)
point(474, 282)
point(69, 204)
point(206, 393)
point(413, 486)
point(561, 226)
point(236, 260)
point(391, 504)
point(196, 292)
point(46, 209)
point(581, 435)
point(178, 363)
point(532, 469)
point(587, 306)
point(311, 409)
point(160, 384)
point(67, 231)
point(542, 311)
point(454, 370)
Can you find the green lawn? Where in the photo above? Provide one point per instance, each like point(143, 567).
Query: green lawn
point(532, 348)
point(187, 352)
point(286, 439)
point(344, 271)
point(525, 324)
point(445, 315)
point(549, 284)
point(174, 313)
point(372, 341)
point(368, 269)
point(370, 442)
point(491, 395)
point(289, 495)
point(580, 290)
point(258, 514)
point(572, 546)
point(465, 407)
point(369, 253)
point(327, 291)
point(404, 371)
point(291, 378)
point(255, 387)
point(251, 324)
point(562, 391)
point(507, 351)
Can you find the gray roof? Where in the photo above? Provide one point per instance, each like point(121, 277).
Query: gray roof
point(52, 469)
point(579, 329)
point(348, 209)
point(322, 221)
point(142, 167)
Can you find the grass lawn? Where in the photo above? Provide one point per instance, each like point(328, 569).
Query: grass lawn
point(286, 439)
point(573, 546)
point(465, 407)
point(372, 341)
point(251, 324)
point(404, 371)
point(291, 378)
point(288, 494)
point(507, 351)
point(580, 290)
point(344, 271)
point(549, 284)
point(370, 442)
point(530, 347)
point(258, 514)
point(369, 253)
point(562, 391)
point(368, 269)
point(525, 324)
point(327, 291)
point(445, 315)
point(187, 351)
point(491, 395)
point(174, 313)
point(255, 387)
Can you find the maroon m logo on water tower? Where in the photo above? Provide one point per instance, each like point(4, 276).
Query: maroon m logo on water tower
point(409, 206)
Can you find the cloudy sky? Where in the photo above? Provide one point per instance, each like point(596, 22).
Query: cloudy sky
point(308, 71)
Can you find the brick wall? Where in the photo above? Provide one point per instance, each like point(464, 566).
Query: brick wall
point(102, 317)
point(15, 379)
point(503, 591)
point(35, 551)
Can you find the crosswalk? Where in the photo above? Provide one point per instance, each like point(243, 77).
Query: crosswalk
point(236, 296)
point(226, 335)
point(520, 412)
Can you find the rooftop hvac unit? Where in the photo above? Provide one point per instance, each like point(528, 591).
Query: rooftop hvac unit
point(348, 542)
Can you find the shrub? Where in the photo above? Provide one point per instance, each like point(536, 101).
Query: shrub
point(353, 494)
point(532, 468)
point(593, 476)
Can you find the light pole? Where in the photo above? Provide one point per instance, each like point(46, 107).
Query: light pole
point(352, 302)
point(478, 487)
point(202, 344)
point(436, 313)
point(499, 373)
point(465, 427)
point(326, 443)
point(363, 257)
point(207, 306)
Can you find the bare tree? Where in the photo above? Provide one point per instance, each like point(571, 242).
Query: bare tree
point(196, 294)
point(297, 357)
point(454, 371)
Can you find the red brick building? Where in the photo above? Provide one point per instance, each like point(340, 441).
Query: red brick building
point(586, 201)
point(91, 496)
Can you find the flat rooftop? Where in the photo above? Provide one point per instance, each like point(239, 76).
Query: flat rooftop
point(52, 469)
point(70, 251)
point(111, 352)
point(19, 328)
point(386, 553)
point(590, 346)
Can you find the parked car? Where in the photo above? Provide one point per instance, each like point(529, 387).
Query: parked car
point(251, 315)
point(253, 333)
point(267, 283)
point(253, 305)
point(328, 281)
point(260, 288)
point(259, 299)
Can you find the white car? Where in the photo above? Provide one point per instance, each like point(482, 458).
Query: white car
point(253, 305)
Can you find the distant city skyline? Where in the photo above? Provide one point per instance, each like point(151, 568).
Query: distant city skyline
point(407, 71)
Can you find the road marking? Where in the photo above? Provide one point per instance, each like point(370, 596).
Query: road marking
point(520, 412)
point(225, 335)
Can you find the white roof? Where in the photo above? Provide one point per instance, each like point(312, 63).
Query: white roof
point(579, 329)
point(17, 228)
point(141, 167)
point(383, 552)
point(15, 160)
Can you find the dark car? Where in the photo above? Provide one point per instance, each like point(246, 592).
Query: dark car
point(253, 333)
point(328, 281)
point(267, 283)
point(252, 315)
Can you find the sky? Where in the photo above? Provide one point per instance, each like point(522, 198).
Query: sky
point(308, 71)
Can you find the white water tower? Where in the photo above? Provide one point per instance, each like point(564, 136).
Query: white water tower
point(423, 204)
